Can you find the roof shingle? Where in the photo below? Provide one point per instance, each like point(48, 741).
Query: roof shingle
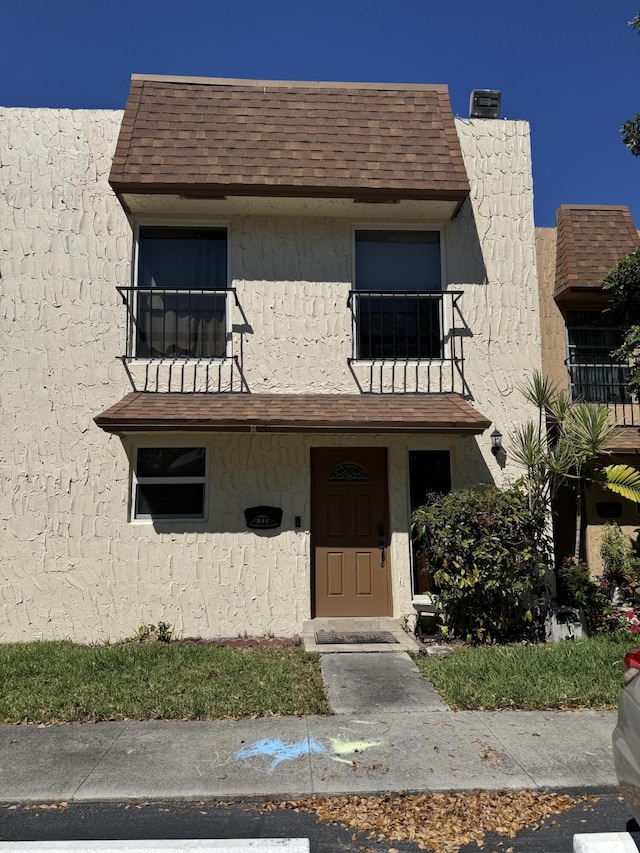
point(591, 241)
point(250, 137)
point(145, 411)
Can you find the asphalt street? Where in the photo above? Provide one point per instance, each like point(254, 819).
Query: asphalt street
point(108, 820)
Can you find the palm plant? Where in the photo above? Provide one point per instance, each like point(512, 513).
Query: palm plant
point(566, 444)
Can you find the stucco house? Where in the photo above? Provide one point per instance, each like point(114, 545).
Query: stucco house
point(246, 326)
point(577, 339)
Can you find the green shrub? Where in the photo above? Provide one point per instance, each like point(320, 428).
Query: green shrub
point(621, 561)
point(615, 551)
point(576, 588)
point(482, 546)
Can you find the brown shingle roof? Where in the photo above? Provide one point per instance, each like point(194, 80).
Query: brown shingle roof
point(144, 411)
point(591, 241)
point(624, 441)
point(268, 137)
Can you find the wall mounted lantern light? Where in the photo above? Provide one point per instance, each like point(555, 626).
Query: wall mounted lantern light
point(496, 442)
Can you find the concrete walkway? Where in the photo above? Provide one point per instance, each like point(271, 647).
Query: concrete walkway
point(285, 756)
point(365, 683)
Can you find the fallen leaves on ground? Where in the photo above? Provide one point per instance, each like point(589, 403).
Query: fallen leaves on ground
point(441, 822)
point(46, 807)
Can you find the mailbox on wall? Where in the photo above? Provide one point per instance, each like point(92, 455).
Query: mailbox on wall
point(263, 517)
point(609, 509)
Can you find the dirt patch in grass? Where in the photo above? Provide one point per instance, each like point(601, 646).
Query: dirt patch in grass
point(441, 822)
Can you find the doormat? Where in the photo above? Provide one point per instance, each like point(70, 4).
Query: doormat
point(354, 637)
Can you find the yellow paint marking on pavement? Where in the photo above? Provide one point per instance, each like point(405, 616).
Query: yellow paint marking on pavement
point(345, 747)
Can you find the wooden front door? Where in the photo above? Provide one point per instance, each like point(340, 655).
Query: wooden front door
point(350, 531)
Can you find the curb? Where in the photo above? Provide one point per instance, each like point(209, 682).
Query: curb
point(606, 842)
point(205, 845)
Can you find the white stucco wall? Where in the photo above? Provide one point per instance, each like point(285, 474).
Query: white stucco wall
point(495, 231)
point(72, 564)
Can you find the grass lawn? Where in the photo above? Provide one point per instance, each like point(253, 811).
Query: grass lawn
point(571, 674)
point(60, 682)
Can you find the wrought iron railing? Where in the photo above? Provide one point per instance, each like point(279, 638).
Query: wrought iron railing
point(177, 323)
point(405, 327)
point(595, 378)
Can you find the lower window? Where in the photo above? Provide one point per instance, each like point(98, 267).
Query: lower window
point(169, 483)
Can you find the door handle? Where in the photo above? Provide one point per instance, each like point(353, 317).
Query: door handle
point(382, 555)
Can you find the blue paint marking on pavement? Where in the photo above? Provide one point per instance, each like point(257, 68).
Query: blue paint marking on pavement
point(280, 751)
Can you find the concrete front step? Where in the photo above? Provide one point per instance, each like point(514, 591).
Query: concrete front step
point(356, 625)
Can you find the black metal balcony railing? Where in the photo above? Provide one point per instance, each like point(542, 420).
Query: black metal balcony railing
point(402, 325)
point(176, 323)
point(595, 378)
point(418, 333)
point(408, 327)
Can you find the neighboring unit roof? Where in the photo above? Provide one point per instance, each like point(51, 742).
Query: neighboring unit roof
point(624, 441)
point(591, 241)
point(228, 412)
point(253, 137)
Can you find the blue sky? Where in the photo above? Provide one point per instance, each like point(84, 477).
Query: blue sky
point(570, 67)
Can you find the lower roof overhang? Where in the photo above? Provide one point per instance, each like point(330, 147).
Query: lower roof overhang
point(144, 411)
point(582, 297)
point(623, 441)
point(178, 202)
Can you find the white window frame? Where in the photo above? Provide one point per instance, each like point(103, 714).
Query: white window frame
point(135, 481)
point(447, 321)
point(182, 223)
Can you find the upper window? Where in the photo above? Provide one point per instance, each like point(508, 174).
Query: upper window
point(169, 483)
point(398, 294)
point(181, 293)
point(595, 376)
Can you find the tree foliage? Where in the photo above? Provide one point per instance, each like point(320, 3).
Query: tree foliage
point(623, 282)
point(566, 444)
point(630, 130)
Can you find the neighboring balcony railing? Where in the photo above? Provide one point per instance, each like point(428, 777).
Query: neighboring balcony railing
point(594, 378)
point(177, 323)
point(403, 327)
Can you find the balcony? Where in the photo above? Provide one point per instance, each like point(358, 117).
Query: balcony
point(177, 323)
point(594, 378)
point(414, 338)
point(180, 339)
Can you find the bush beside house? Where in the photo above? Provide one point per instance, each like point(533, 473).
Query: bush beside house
point(482, 546)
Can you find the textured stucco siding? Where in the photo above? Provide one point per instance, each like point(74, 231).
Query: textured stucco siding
point(64, 246)
point(491, 256)
point(552, 328)
point(628, 522)
point(73, 564)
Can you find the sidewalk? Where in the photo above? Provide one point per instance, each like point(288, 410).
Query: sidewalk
point(292, 757)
